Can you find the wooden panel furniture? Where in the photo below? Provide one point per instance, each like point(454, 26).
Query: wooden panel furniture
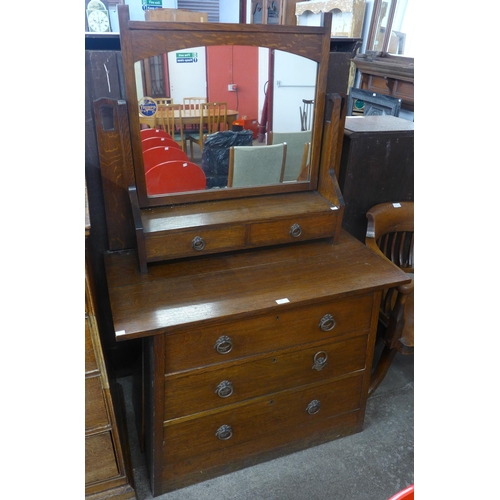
point(250, 355)
point(388, 75)
point(106, 474)
point(257, 313)
point(376, 166)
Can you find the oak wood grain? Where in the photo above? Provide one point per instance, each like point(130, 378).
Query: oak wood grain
point(192, 292)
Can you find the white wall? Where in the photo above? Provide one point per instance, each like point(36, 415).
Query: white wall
point(229, 11)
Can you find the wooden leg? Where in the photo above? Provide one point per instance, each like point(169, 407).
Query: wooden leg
point(381, 369)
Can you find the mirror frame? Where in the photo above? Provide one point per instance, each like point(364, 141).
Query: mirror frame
point(143, 39)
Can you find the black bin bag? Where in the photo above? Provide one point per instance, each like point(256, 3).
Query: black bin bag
point(215, 156)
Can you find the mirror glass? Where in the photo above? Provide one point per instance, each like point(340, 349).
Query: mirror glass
point(269, 97)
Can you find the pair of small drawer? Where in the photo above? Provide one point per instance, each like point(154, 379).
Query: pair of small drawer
point(292, 327)
point(201, 390)
point(220, 239)
point(253, 427)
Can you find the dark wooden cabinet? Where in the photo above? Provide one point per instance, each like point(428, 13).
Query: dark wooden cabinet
point(376, 166)
point(340, 68)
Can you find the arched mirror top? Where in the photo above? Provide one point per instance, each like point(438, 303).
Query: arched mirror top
point(143, 40)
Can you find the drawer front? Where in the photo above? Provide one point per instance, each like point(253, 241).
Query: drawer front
point(193, 392)
point(184, 244)
point(261, 334)
point(290, 230)
point(255, 427)
point(95, 407)
point(100, 462)
point(90, 360)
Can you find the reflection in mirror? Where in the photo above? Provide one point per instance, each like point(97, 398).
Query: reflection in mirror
point(268, 96)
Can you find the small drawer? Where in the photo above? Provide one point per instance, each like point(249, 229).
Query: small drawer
point(256, 426)
point(193, 392)
point(195, 242)
point(290, 230)
point(95, 407)
point(100, 462)
point(257, 335)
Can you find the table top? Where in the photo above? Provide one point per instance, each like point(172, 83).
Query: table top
point(191, 117)
point(377, 123)
point(205, 290)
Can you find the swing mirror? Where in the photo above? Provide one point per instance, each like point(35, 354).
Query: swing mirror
point(278, 83)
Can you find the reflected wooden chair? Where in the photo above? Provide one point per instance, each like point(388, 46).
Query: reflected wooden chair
point(172, 125)
point(306, 114)
point(298, 150)
point(390, 235)
point(213, 118)
point(256, 165)
point(173, 177)
point(152, 142)
point(146, 133)
point(163, 101)
point(191, 105)
point(160, 154)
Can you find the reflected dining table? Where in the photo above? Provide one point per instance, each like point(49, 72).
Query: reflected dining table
point(190, 117)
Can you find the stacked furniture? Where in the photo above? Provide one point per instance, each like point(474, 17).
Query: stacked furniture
point(107, 472)
point(257, 313)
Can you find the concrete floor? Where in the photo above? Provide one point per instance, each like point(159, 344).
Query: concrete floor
point(371, 465)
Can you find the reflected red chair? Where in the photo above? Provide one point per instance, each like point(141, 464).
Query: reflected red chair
point(152, 142)
point(161, 154)
point(146, 133)
point(175, 176)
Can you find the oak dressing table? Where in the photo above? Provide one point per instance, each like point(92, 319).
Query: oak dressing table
point(256, 347)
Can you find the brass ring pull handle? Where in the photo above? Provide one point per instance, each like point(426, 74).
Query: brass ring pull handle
point(327, 323)
point(320, 360)
point(224, 432)
point(313, 407)
point(224, 344)
point(295, 231)
point(198, 243)
point(224, 389)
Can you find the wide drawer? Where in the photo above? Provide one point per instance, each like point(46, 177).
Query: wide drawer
point(200, 390)
point(194, 242)
point(199, 347)
point(95, 407)
point(294, 229)
point(254, 427)
point(100, 462)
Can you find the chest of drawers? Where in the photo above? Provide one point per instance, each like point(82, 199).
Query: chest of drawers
point(249, 356)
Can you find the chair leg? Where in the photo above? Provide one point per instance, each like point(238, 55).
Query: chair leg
point(191, 149)
point(381, 369)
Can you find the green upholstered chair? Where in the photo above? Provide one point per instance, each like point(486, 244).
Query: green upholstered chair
point(256, 165)
point(298, 151)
